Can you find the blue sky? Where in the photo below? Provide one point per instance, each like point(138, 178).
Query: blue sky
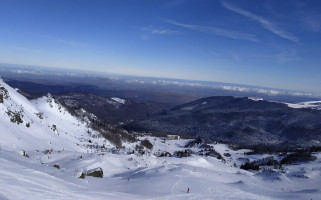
point(268, 43)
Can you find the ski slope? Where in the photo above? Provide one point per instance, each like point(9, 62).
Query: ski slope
point(127, 175)
point(149, 177)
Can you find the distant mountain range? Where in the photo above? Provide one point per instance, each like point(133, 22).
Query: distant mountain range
point(243, 121)
point(148, 102)
point(60, 80)
point(113, 110)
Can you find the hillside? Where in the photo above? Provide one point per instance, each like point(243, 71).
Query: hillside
point(113, 110)
point(42, 124)
point(243, 121)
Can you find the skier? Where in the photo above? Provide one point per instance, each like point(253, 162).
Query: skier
point(187, 190)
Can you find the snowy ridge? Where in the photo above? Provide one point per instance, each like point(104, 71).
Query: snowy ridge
point(40, 124)
point(255, 98)
point(308, 104)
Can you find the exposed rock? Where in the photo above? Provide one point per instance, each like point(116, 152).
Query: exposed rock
point(184, 153)
point(16, 117)
point(3, 94)
point(162, 154)
point(48, 151)
point(82, 176)
point(97, 172)
point(56, 166)
point(227, 154)
point(25, 154)
point(146, 143)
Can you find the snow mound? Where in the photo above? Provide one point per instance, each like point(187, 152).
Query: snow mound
point(118, 100)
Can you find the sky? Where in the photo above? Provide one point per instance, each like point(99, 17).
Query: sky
point(268, 43)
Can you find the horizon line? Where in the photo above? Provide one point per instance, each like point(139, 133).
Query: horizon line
point(159, 77)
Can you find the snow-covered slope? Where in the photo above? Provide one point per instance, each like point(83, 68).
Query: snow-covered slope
point(58, 147)
point(307, 104)
point(134, 176)
point(118, 100)
point(41, 124)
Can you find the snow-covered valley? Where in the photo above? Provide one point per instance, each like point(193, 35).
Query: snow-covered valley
point(149, 177)
point(47, 153)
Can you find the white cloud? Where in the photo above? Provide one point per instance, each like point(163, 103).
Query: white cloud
point(264, 22)
point(159, 31)
point(214, 31)
point(272, 92)
point(19, 71)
